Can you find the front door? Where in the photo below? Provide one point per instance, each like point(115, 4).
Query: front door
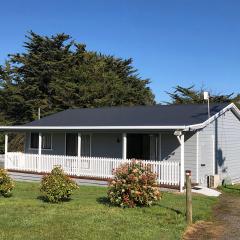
point(71, 144)
point(142, 146)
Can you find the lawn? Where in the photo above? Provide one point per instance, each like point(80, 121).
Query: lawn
point(87, 216)
point(232, 189)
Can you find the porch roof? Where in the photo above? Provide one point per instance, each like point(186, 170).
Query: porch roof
point(185, 117)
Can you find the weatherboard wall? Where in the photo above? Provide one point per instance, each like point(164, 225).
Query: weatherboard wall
point(171, 150)
point(102, 145)
point(219, 148)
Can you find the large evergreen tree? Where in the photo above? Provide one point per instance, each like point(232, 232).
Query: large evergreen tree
point(186, 95)
point(56, 73)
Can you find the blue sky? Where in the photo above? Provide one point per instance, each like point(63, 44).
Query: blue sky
point(171, 42)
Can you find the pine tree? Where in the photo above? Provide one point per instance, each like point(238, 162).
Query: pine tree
point(188, 95)
point(56, 73)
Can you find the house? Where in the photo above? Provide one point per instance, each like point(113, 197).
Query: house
point(91, 142)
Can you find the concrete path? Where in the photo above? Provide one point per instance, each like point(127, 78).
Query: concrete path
point(206, 191)
point(29, 177)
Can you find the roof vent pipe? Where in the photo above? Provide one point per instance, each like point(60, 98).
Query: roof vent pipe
point(39, 113)
point(206, 97)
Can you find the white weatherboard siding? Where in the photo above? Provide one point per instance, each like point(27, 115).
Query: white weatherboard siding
point(171, 150)
point(219, 148)
point(191, 154)
point(205, 154)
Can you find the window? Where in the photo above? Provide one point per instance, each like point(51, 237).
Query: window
point(86, 146)
point(71, 144)
point(46, 140)
point(34, 140)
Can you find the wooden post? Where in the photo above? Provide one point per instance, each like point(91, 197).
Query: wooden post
point(188, 196)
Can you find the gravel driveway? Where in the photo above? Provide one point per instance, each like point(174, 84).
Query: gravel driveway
point(225, 225)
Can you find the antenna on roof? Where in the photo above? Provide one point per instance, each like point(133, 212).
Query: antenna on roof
point(39, 113)
point(206, 97)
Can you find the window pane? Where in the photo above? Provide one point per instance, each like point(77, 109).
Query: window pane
point(34, 140)
point(86, 146)
point(46, 141)
point(71, 144)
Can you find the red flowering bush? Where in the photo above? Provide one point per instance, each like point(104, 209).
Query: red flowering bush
point(134, 184)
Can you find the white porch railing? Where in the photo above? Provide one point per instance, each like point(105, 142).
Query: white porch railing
point(1, 157)
point(168, 171)
point(1, 160)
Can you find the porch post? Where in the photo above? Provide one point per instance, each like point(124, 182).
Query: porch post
point(6, 151)
point(182, 163)
point(124, 146)
point(79, 144)
point(159, 146)
point(6, 143)
point(39, 143)
point(38, 162)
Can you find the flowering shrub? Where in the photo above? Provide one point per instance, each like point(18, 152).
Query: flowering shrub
point(6, 184)
point(57, 186)
point(133, 185)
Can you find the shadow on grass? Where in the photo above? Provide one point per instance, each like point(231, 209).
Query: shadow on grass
point(45, 200)
point(105, 201)
point(177, 211)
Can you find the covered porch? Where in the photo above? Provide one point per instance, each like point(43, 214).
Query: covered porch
point(97, 154)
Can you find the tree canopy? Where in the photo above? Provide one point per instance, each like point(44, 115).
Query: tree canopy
point(56, 73)
point(188, 95)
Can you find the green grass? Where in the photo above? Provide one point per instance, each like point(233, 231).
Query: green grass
point(24, 216)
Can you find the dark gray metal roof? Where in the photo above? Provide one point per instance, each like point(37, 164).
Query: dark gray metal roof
point(157, 115)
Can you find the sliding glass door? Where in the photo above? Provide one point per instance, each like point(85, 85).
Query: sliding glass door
point(72, 144)
point(86, 145)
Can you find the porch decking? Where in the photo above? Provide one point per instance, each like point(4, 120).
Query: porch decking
point(168, 172)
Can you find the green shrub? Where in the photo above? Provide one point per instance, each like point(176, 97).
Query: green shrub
point(6, 183)
point(57, 186)
point(134, 184)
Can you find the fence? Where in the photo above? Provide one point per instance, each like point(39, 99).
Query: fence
point(1, 160)
point(168, 171)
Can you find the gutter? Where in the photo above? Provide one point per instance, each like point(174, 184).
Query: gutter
point(5, 128)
